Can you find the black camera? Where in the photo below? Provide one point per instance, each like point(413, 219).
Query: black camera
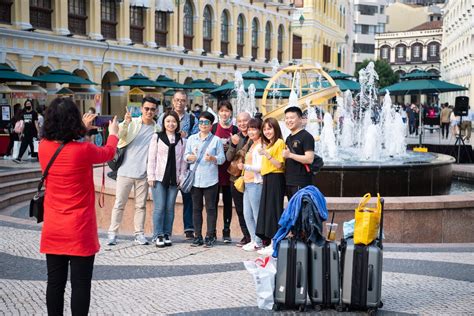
point(102, 120)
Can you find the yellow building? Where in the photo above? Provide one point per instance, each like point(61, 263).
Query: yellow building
point(110, 40)
point(319, 28)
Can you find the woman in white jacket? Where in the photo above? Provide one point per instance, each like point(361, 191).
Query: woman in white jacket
point(253, 183)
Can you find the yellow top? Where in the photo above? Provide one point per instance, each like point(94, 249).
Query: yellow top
point(276, 151)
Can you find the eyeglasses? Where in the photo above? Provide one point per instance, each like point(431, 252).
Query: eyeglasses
point(149, 109)
point(180, 100)
point(204, 122)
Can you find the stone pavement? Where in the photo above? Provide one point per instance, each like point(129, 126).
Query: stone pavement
point(182, 280)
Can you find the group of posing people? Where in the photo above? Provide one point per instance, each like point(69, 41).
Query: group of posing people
point(159, 155)
point(255, 150)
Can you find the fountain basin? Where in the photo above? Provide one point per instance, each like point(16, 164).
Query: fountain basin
point(418, 174)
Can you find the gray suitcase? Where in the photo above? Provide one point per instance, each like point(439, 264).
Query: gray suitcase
point(324, 285)
point(291, 278)
point(362, 274)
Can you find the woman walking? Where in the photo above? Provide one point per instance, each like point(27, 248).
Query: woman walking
point(69, 235)
point(253, 184)
point(166, 168)
point(204, 152)
point(273, 190)
point(30, 131)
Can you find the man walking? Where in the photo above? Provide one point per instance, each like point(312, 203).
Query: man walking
point(299, 152)
point(135, 134)
point(189, 126)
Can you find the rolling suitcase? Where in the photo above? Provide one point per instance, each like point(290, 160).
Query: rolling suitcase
point(291, 278)
point(361, 268)
point(324, 286)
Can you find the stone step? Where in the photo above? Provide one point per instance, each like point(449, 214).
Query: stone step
point(17, 185)
point(14, 175)
point(16, 197)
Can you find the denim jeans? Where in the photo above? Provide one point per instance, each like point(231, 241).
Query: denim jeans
point(252, 194)
point(187, 212)
point(164, 199)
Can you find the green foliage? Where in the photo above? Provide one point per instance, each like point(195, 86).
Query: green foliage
point(386, 75)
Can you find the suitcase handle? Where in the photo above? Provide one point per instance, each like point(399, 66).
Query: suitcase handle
point(371, 277)
point(299, 269)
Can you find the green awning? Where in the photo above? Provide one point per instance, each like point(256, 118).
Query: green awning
point(137, 80)
point(260, 85)
point(421, 86)
point(253, 74)
point(336, 74)
point(166, 82)
point(419, 74)
point(8, 74)
point(200, 84)
point(344, 84)
point(62, 76)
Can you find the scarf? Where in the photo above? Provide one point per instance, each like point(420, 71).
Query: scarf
point(169, 178)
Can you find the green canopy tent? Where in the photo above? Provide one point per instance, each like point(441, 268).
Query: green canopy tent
point(428, 85)
point(336, 74)
point(8, 74)
point(62, 76)
point(137, 80)
point(200, 84)
point(419, 74)
point(166, 82)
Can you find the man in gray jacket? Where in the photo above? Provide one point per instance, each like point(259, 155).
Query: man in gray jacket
point(238, 142)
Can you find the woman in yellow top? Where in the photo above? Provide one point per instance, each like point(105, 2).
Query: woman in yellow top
point(273, 191)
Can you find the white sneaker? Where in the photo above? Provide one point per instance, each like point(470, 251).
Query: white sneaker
point(111, 239)
point(267, 251)
point(251, 246)
point(140, 239)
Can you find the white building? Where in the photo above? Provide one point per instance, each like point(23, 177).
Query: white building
point(457, 52)
point(369, 19)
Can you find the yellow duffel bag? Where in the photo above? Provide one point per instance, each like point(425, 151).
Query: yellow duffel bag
point(367, 221)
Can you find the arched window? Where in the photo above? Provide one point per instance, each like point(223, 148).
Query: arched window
point(416, 52)
point(207, 28)
point(433, 51)
point(385, 53)
point(108, 19)
point(401, 53)
point(280, 43)
point(254, 38)
point(77, 16)
point(240, 35)
point(40, 14)
point(188, 25)
point(224, 33)
point(137, 23)
point(161, 28)
point(268, 41)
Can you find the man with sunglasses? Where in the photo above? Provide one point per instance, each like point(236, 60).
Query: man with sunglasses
point(136, 134)
point(188, 124)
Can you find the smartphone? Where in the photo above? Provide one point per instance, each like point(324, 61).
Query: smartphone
point(102, 120)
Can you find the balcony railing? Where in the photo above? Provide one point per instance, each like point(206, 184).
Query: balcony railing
point(188, 42)
point(77, 24)
point(240, 50)
point(160, 38)
point(225, 48)
point(268, 53)
point(254, 52)
point(109, 29)
point(207, 44)
point(136, 34)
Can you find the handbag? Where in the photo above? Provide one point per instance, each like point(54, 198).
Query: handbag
point(188, 181)
point(37, 202)
point(239, 183)
point(116, 162)
point(367, 221)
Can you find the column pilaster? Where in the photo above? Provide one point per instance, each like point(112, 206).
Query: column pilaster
point(21, 14)
point(95, 32)
point(60, 17)
point(124, 23)
point(150, 26)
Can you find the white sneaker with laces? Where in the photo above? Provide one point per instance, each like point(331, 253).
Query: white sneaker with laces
point(251, 246)
point(267, 251)
point(140, 239)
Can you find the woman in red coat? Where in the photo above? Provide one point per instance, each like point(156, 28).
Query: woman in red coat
point(69, 234)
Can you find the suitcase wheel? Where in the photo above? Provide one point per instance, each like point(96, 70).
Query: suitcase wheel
point(340, 308)
point(372, 312)
point(381, 304)
point(276, 307)
point(317, 308)
point(302, 308)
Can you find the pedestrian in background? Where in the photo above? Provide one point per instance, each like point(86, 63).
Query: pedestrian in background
point(166, 169)
point(69, 233)
point(30, 131)
point(135, 133)
point(14, 137)
point(204, 144)
point(444, 119)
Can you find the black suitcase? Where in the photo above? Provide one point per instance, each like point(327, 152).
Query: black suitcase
point(324, 280)
point(291, 278)
point(361, 268)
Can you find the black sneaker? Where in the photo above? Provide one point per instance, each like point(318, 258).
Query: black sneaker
point(17, 160)
point(167, 241)
point(226, 236)
point(209, 242)
point(197, 242)
point(189, 235)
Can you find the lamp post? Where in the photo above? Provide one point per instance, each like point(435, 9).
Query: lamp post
point(109, 109)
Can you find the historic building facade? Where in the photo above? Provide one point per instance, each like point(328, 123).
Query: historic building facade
point(320, 33)
point(110, 40)
point(457, 53)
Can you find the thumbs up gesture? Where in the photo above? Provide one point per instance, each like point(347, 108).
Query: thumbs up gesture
point(286, 153)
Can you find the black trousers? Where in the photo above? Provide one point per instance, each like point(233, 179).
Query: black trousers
point(292, 189)
point(238, 198)
point(26, 141)
point(13, 137)
point(81, 276)
point(209, 194)
point(445, 128)
point(227, 199)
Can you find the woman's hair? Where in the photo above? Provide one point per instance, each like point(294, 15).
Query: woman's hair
point(26, 101)
point(273, 123)
point(173, 114)
point(255, 123)
point(207, 115)
point(226, 104)
point(63, 121)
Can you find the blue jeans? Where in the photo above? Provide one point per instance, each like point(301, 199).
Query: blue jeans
point(187, 212)
point(164, 199)
point(252, 194)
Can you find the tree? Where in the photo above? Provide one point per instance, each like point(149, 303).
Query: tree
point(386, 75)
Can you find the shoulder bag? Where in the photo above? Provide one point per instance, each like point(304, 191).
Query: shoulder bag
point(189, 176)
point(37, 202)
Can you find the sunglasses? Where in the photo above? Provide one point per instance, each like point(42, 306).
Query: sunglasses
point(204, 122)
point(149, 109)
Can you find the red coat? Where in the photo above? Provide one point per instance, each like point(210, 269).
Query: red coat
point(70, 225)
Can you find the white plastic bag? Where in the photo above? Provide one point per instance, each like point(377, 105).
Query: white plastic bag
point(348, 229)
point(35, 145)
point(263, 271)
point(16, 149)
